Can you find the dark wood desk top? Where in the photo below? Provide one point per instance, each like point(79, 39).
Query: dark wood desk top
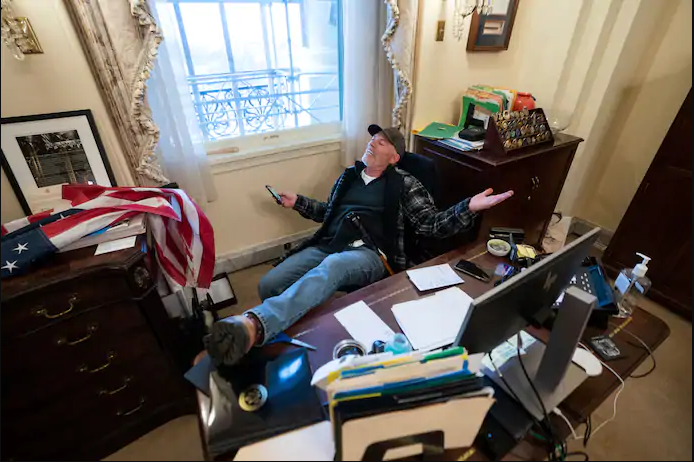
point(321, 329)
point(496, 158)
point(70, 265)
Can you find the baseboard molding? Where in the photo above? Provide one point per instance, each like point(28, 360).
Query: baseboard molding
point(580, 226)
point(261, 253)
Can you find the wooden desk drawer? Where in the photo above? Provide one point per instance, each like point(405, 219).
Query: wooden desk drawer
point(22, 387)
point(89, 413)
point(76, 337)
point(36, 310)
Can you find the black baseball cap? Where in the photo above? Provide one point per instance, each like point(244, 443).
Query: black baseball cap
point(393, 135)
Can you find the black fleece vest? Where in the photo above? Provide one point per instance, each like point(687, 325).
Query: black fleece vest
point(391, 208)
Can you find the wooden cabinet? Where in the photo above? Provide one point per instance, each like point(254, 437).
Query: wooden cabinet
point(658, 221)
point(84, 364)
point(536, 175)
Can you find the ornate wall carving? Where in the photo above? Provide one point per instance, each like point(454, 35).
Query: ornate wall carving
point(120, 39)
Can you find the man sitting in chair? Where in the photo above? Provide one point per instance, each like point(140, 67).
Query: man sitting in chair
point(339, 255)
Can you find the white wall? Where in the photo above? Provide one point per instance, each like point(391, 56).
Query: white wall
point(245, 216)
point(57, 80)
point(648, 104)
point(613, 63)
point(534, 61)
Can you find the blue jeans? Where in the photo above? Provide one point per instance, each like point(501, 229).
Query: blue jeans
point(307, 279)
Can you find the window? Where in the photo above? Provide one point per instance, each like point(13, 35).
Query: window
point(256, 66)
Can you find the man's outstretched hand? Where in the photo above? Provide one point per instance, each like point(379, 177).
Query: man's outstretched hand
point(485, 200)
point(288, 199)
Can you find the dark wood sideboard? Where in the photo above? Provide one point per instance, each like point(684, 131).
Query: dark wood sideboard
point(85, 363)
point(536, 175)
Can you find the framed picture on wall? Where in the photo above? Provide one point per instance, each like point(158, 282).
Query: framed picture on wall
point(492, 32)
point(41, 153)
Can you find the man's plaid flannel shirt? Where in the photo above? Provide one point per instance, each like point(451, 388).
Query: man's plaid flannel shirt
point(416, 205)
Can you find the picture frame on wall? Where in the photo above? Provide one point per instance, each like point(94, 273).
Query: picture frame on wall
point(41, 153)
point(492, 32)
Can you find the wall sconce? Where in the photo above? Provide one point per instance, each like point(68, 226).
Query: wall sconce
point(17, 33)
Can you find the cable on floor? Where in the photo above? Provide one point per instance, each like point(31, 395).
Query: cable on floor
point(558, 412)
point(645, 347)
point(579, 453)
point(589, 431)
point(616, 398)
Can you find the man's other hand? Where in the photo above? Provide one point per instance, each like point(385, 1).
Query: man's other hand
point(288, 199)
point(485, 200)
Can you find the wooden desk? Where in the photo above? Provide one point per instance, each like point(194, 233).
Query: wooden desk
point(321, 329)
point(86, 357)
point(535, 174)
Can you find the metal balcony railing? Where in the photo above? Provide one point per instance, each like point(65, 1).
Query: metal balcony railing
point(243, 103)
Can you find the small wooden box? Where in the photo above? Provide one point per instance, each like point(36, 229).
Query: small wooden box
point(514, 130)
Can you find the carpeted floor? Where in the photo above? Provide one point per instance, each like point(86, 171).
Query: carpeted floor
point(654, 420)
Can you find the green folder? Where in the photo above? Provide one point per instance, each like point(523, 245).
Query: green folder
point(467, 100)
point(439, 131)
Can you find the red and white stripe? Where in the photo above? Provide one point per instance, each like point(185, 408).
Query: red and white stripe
point(14, 225)
point(183, 236)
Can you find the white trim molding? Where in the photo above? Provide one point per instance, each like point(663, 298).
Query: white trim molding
point(260, 253)
point(222, 163)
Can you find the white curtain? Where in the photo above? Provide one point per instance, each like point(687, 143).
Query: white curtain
point(368, 77)
point(180, 147)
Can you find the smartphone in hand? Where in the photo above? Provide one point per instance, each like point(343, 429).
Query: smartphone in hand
point(274, 194)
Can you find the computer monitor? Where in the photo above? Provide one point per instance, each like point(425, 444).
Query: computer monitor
point(522, 300)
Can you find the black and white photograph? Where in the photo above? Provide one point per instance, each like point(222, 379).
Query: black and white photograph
point(56, 158)
point(40, 153)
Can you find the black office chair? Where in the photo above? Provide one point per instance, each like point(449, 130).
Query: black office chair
point(419, 249)
point(424, 169)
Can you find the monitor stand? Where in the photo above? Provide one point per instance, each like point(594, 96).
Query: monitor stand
point(554, 375)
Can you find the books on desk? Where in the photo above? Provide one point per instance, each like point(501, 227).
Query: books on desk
point(399, 404)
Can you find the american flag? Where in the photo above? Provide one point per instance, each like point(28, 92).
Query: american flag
point(20, 223)
point(183, 236)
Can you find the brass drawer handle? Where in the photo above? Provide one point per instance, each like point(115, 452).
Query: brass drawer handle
point(133, 410)
point(91, 328)
point(109, 357)
point(126, 382)
point(43, 312)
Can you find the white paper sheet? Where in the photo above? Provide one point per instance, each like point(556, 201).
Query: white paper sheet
point(434, 277)
point(118, 244)
point(363, 324)
point(309, 443)
point(434, 321)
point(507, 350)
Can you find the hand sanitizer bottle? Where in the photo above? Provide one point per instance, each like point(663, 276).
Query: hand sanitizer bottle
point(630, 285)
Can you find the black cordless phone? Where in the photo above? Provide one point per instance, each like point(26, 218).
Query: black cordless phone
point(473, 270)
point(275, 196)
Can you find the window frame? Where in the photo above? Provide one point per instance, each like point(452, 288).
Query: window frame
point(248, 145)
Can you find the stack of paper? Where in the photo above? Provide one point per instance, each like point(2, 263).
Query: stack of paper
point(433, 322)
point(463, 145)
point(363, 324)
point(434, 277)
point(126, 228)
